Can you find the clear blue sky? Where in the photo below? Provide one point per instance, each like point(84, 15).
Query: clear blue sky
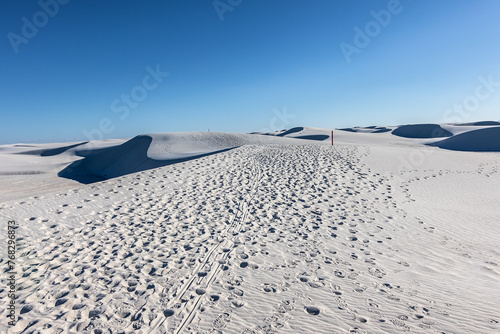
point(233, 74)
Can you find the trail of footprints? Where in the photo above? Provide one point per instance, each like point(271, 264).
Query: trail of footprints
point(214, 262)
point(182, 253)
point(143, 238)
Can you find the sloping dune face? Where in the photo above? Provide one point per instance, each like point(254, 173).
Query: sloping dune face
point(292, 130)
point(51, 152)
point(482, 140)
point(421, 131)
point(150, 151)
point(180, 145)
point(132, 156)
point(109, 162)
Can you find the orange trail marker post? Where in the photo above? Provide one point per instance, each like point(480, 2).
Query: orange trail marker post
point(332, 137)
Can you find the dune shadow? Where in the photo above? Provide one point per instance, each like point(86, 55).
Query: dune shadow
point(480, 123)
point(381, 130)
point(129, 157)
point(313, 137)
point(292, 130)
point(51, 151)
point(348, 129)
point(421, 131)
point(482, 140)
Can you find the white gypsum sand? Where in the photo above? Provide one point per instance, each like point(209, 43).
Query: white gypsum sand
point(378, 234)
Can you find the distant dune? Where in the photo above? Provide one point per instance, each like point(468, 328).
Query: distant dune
point(50, 152)
point(89, 162)
point(300, 132)
point(381, 130)
point(482, 140)
point(367, 129)
point(292, 130)
point(347, 129)
point(482, 123)
point(421, 131)
point(150, 151)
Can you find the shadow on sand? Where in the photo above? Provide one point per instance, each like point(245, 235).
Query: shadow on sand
point(107, 163)
point(50, 151)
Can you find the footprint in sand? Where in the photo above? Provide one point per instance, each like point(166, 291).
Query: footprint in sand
point(237, 303)
point(312, 310)
point(339, 273)
point(268, 287)
point(221, 320)
point(213, 298)
point(168, 313)
point(361, 320)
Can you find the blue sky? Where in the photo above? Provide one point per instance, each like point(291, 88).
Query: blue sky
point(234, 65)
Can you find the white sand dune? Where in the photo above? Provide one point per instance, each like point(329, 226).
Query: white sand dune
point(481, 123)
point(65, 165)
point(368, 129)
point(42, 162)
point(152, 151)
point(421, 131)
point(477, 140)
point(300, 132)
point(259, 233)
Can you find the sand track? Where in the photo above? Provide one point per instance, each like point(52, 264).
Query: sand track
point(213, 259)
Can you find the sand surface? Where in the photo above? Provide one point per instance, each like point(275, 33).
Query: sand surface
point(378, 234)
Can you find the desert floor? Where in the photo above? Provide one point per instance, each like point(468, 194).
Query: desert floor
point(266, 238)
